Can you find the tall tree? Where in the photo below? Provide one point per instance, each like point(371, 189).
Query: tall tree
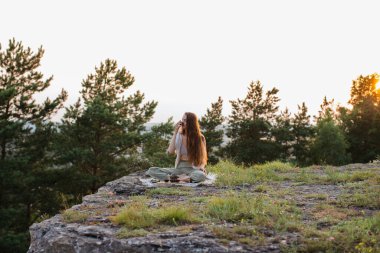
point(96, 138)
point(283, 134)
point(330, 144)
point(362, 122)
point(250, 126)
point(24, 137)
point(209, 125)
point(327, 110)
point(303, 134)
point(156, 142)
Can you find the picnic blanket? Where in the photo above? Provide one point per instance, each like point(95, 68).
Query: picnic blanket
point(152, 182)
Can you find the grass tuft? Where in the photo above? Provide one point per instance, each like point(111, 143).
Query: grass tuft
point(72, 216)
point(258, 210)
point(138, 215)
point(230, 174)
point(175, 215)
point(367, 197)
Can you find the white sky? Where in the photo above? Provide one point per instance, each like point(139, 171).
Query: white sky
point(184, 54)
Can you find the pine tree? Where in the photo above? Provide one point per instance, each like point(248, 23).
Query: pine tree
point(250, 126)
point(330, 144)
point(303, 133)
point(156, 142)
point(283, 134)
point(327, 110)
point(362, 122)
point(96, 138)
point(209, 124)
point(25, 133)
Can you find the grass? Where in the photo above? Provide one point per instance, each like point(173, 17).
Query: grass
point(306, 176)
point(318, 196)
point(245, 214)
point(198, 199)
point(175, 215)
point(242, 233)
point(276, 166)
point(335, 226)
point(356, 235)
point(230, 174)
point(366, 197)
point(334, 176)
point(257, 210)
point(74, 216)
point(138, 215)
point(362, 234)
point(326, 215)
point(261, 188)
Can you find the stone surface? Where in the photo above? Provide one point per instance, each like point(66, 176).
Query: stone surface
point(54, 235)
point(99, 234)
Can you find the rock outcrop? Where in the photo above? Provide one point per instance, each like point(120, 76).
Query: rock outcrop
point(289, 208)
point(98, 234)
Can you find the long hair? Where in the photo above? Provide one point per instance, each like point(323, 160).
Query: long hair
point(196, 144)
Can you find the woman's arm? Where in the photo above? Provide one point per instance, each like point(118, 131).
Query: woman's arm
point(171, 148)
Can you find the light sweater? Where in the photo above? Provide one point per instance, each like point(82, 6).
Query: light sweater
point(175, 148)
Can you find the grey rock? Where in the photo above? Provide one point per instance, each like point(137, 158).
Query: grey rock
point(55, 235)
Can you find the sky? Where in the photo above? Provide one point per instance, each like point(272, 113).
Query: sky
point(184, 54)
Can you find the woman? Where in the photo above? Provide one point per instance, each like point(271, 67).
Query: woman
point(190, 147)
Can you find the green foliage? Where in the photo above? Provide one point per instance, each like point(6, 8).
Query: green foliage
point(363, 197)
point(229, 174)
point(72, 216)
point(175, 215)
point(330, 145)
point(155, 143)
point(319, 196)
point(214, 137)
point(26, 191)
point(357, 235)
point(282, 132)
point(327, 111)
point(276, 166)
point(361, 234)
point(302, 132)
point(138, 215)
point(362, 122)
point(250, 126)
point(134, 162)
point(95, 139)
point(45, 167)
point(258, 210)
point(243, 233)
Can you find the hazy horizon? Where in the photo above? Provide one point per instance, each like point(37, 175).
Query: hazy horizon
point(185, 54)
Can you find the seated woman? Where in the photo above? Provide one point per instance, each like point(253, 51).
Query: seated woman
point(190, 147)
